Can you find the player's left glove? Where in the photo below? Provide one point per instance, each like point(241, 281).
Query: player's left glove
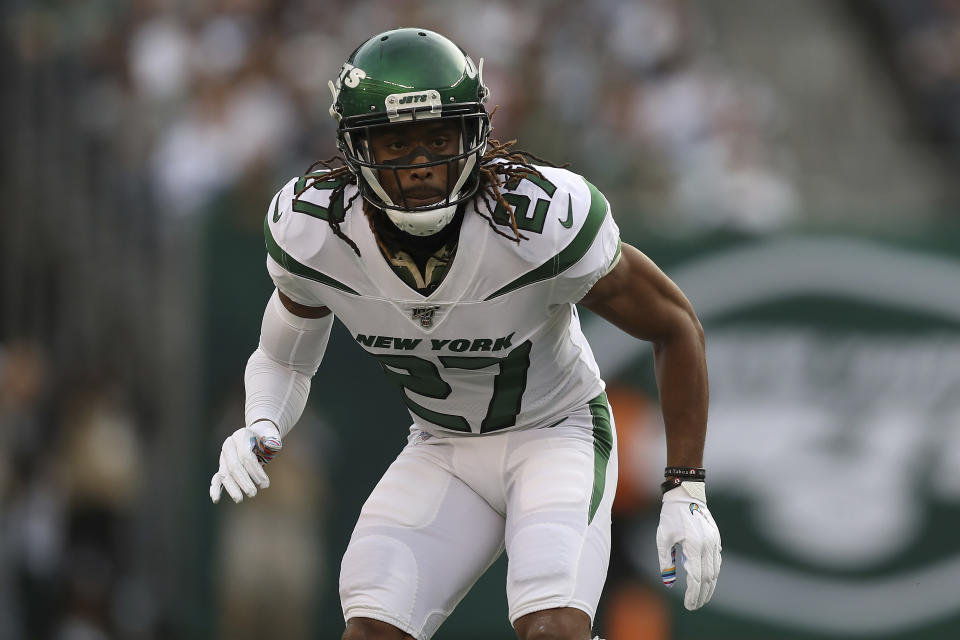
point(687, 526)
point(241, 459)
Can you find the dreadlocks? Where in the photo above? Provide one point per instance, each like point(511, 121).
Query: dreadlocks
point(341, 175)
point(514, 168)
point(501, 165)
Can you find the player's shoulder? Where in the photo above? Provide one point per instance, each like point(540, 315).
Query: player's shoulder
point(584, 203)
point(553, 208)
point(566, 228)
point(300, 212)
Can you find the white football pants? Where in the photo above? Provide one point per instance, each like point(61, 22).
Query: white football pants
point(449, 505)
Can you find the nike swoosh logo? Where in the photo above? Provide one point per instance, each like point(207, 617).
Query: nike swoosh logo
point(276, 210)
point(569, 221)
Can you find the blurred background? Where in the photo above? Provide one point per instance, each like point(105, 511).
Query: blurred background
point(791, 164)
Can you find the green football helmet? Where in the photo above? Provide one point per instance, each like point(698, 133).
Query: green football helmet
point(402, 76)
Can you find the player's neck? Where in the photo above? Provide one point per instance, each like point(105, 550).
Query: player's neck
point(420, 261)
point(396, 240)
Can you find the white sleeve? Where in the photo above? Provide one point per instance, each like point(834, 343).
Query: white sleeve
point(277, 377)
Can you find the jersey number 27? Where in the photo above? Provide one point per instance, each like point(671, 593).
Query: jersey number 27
point(422, 377)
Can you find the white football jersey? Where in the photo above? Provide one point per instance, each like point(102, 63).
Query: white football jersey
point(497, 345)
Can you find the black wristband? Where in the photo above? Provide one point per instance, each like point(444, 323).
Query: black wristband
point(688, 473)
point(673, 482)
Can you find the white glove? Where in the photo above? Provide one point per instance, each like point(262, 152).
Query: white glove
point(686, 522)
point(241, 460)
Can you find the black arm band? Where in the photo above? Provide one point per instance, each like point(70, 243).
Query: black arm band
point(687, 473)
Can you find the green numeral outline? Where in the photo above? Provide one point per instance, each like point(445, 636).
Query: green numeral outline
point(335, 209)
point(508, 385)
point(423, 378)
point(521, 204)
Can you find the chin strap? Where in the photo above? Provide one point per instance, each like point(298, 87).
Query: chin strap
point(422, 223)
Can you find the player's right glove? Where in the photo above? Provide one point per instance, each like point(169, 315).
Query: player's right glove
point(241, 461)
point(687, 526)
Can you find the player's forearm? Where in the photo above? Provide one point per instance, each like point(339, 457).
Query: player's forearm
point(274, 392)
point(277, 377)
point(681, 370)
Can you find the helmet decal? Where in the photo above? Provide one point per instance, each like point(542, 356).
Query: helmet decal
point(350, 75)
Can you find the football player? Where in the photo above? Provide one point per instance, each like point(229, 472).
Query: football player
point(458, 263)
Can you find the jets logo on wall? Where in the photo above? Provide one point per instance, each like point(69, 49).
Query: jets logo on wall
point(834, 434)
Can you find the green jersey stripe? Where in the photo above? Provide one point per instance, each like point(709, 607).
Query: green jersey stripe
point(290, 263)
point(602, 445)
point(616, 256)
point(571, 254)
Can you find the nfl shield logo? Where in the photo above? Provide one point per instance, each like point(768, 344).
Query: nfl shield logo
point(424, 315)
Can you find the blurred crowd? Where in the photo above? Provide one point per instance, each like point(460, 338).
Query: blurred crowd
point(197, 95)
point(71, 469)
point(923, 42)
point(127, 121)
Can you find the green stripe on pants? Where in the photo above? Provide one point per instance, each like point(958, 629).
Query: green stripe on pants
point(602, 445)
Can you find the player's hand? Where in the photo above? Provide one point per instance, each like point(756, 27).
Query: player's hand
point(687, 526)
point(241, 461)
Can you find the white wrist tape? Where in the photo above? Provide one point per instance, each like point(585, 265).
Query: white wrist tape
point(277, 377)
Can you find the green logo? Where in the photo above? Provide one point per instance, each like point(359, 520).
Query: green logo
point(569, 221)
point(865, 329)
